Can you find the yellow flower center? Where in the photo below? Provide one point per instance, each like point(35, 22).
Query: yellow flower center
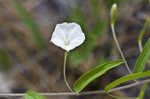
point(66, 43)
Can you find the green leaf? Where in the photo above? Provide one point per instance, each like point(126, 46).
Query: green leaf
point(142, 91)
point(143, 31)
point(28, 97)
point(127, 78)
point(33, 95)
point(143, 58)
point(94, 73)
point(29, 22)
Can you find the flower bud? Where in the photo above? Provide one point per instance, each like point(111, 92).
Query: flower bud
point(113, 13)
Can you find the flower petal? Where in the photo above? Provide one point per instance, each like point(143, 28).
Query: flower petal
point(78, 41)
point(58, 42)
point(68, 32)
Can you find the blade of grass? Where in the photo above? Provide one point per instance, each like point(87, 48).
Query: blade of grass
point(143, 91)
point(143, 58)
point(94, 73)
point(127, 78)
point(143, 31)
point(29, 22)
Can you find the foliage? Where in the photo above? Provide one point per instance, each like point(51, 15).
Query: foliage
point(143, 58)
point(94, 73)
point(142, 33)
point(127, 78)
point(33, 95)
point(141, 95)
point(82, 53)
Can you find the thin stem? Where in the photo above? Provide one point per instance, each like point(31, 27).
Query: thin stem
point(118, 46)
point(64, 72)
point(79, 94)
point(117, 97)
point(140, 46)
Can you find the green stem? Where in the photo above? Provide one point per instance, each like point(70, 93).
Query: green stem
point(140, 46)
point(64, 72)
point(118, 46)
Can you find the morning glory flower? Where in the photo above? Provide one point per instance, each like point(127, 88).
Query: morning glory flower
point(68, 36)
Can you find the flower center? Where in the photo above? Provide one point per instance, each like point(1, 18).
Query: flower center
point(66, 43)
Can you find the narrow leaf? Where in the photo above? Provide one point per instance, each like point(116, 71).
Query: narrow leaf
point(33, 95)
point(143, 31)
point(142, 91)
point(96, 72)
point(143, 58)
point(126, 78)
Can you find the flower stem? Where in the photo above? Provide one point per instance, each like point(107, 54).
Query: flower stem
point(118, 46)
point(64, 72)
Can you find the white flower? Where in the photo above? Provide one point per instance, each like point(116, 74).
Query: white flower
point(68, 36)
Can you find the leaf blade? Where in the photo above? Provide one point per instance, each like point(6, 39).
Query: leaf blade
point(33, 95)
point(143, 58)
point(91, 75)
point(141, 95)
point(142, 33)
point(126, 78)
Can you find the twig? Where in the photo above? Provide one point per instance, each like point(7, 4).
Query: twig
point(79, 94)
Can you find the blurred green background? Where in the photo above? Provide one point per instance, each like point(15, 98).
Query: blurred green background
point(29, 61)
